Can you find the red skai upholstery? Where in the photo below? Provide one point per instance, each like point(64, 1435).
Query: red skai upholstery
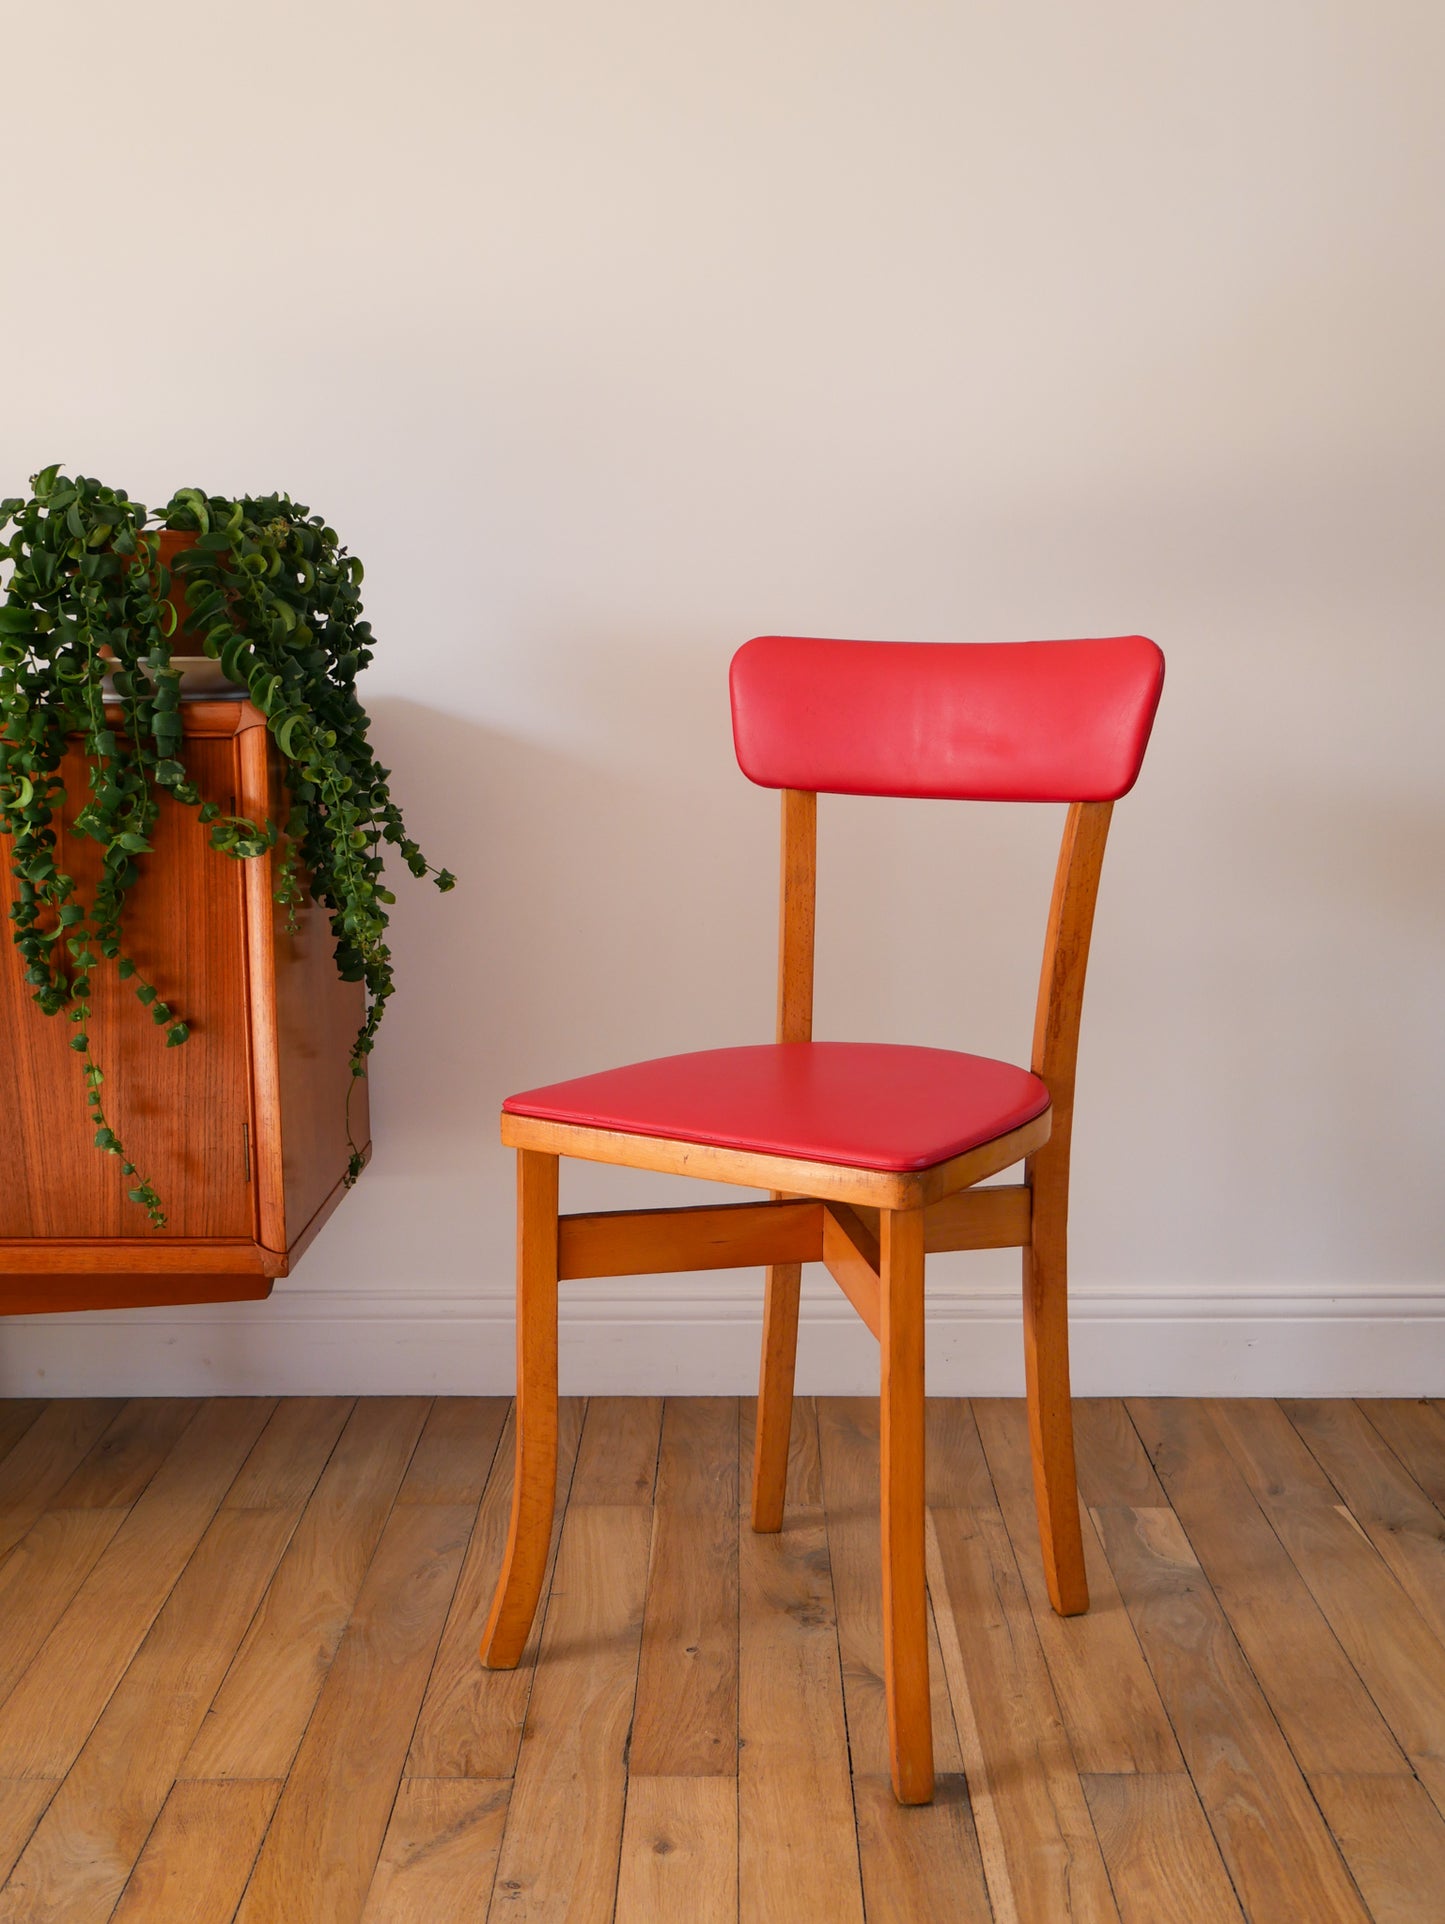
point(1024, 721)
point(871, 1105)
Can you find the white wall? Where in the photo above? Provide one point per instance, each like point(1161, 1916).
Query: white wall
point(611, 335)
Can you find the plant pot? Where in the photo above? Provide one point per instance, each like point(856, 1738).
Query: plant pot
point(202, 678)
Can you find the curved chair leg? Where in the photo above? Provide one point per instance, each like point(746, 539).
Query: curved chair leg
point(1051, 1419)
point(905, 1596)
point(775, 1395)
point(534, 1485)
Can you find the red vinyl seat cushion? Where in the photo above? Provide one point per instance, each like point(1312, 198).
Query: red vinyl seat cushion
point(870, 1105)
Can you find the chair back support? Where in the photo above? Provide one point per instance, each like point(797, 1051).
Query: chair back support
point(1029, 721)
point(1014, 721)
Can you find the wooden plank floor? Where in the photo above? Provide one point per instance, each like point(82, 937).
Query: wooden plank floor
point(238, 1677)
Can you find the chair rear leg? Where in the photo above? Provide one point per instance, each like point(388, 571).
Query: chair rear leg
point(905, 1605)
point(1051, 1418)
point(534, 1484)
point(775, 1395)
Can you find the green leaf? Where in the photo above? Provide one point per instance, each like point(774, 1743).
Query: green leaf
point(145, 994)
point(177, 1034)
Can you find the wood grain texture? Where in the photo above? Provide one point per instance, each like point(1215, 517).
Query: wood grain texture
point(920, 1864)
point(439, 1857)
point(316, 1017)
point(782, 1283)
point(471, 1720)
point(1415, 1431)
point(1397, 1516)
point(243, 1130)
point(22, 1805)
point(916, 1863)
point(999, 1217)
point(798, 1854)
point(851, 1256)
point(809, 1825)
point(1046, 1174)
point(44, 1458)
point(1278, 1851)
point(1400, 1660)
point(121, 1463)
point(1114, 1467)
point(199, 1856)
point(685, 1723)
point(1163, 1861)
point(215, 1260)
point(1051, 1863)
point(457, 1448)
point(797, 897)
point(77, 1862)
point(560, 1852)
point(41, 1576)
point(290, 1453)
point(617, 1455)
point(16, 1417)
point(320, 1853)
point(534, 1449)
point(901, 1476)
point(50, 1713)
point(679, 1862)
point(1313, 1689)
point(777, 1368)
point(255, 1723)
point(849, 1454)
point(655, 1242)
point(783, 1175)
point(1123, 1728)
point(1393, 1839)
point(179, 1111)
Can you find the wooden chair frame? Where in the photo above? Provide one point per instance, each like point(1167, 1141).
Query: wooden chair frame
point(872, 1229)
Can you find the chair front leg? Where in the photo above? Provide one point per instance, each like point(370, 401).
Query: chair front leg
point(905, 1605)
point(534, 1485)
point(1051, 1416)
point(775, 1395)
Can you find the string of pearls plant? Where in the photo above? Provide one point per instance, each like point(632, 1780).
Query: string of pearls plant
point(275, 598)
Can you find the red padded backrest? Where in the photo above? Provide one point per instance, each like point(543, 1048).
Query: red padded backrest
point(1022, 721)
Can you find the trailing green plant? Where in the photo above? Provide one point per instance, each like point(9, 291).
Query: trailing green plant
point(275, 598)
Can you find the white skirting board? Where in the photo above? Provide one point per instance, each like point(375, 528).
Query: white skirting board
point(699, 1336)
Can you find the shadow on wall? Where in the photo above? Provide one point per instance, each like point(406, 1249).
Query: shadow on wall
point(1277, 1019)
point(588, 927)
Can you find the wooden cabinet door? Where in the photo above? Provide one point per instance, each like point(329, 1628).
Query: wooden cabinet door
point(183, 1113)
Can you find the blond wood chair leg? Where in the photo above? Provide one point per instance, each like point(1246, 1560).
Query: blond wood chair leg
point(1051, 1420)
point(534, 1485)
point(905, 1606)
point(775, 1395)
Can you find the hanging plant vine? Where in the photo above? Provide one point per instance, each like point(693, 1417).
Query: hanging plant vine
point(273, 597)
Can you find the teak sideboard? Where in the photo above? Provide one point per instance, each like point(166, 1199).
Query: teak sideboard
point(242, 1129)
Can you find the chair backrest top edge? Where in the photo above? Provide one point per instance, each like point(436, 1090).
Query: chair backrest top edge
point(1044, 721)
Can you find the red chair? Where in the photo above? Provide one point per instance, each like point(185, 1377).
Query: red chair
point(869, 1149)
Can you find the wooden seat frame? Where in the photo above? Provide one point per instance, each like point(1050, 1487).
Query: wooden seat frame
point(872, 1229)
